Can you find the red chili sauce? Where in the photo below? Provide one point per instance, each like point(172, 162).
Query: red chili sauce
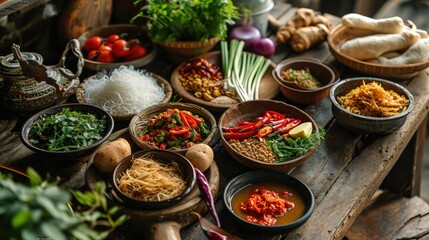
point(268, 203)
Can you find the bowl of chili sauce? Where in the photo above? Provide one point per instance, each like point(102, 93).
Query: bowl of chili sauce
point(268, 202)
point(172, 126)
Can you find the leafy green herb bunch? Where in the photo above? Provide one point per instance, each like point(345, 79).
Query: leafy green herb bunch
point(187, 20)
point(43, 210)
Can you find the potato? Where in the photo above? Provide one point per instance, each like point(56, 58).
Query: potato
point(108, 156)
point(201, 156)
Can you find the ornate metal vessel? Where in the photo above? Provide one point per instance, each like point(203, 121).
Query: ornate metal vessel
point(29, 86)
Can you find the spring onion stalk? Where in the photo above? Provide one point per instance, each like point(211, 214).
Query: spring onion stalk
point(243, 71)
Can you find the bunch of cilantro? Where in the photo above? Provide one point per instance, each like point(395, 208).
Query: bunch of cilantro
point(187, 20)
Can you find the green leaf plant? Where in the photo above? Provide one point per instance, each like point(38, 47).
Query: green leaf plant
point(43, 210)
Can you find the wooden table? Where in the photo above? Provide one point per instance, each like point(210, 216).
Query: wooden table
point(344, 173)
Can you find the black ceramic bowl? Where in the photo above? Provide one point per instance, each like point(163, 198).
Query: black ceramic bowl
point(162, 156)
point(253, 177)
point(364, 124)
point(72, 155)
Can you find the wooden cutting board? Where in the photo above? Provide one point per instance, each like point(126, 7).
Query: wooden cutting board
point(155, 224)
point(79, 16)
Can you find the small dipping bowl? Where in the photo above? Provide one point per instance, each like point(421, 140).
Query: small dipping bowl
point(253, 177)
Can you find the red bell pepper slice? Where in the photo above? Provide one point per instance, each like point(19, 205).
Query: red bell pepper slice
point(239, 135)
point(264, 131)
point(177, 130)
point(188, 115)
point(184, 120)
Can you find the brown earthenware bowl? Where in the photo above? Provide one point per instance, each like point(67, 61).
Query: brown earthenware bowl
point(268, 88)
point(321, 71)
point(139, 121)
point(129, 29)
point(249, 111)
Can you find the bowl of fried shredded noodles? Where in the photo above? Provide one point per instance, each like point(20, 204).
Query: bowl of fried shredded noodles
point(153, 179)
point(367, 105)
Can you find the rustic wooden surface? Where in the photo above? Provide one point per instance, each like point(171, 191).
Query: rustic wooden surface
point(392, 217)
point(10, 6)
point(345, 171)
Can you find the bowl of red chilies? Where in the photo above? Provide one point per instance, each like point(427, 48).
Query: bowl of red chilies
point(256, 134)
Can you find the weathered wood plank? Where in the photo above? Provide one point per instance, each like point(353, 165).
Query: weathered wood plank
point(10, 6)
point(392, 217)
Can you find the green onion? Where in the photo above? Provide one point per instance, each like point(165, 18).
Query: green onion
point(243, 71)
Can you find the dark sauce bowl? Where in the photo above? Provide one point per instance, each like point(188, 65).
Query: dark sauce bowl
point(253, 177)
point(73, 155)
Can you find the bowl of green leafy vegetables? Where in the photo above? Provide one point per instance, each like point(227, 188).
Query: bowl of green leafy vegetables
point(68, 131)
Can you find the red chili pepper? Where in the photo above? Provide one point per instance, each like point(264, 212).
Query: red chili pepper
point(183, 118)
point(239, 135)
point(177, 130)
point(236, 129)
point(144, 138)
point(264, 131)
point(276, 115)
point(258, 124)
point(192, 123)
point(244, 123)
point(286, 128)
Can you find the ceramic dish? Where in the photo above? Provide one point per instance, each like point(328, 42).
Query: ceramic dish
point(168, 91)
point(139, 121)
point(130, 29)
point(254, 177)
point(321, 71)
point(250, 110)
point(340, 34)
point(72, 155)
point(365, 124)
point(269, 88)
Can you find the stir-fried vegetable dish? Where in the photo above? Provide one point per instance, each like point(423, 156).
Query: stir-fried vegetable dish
point(174, 129)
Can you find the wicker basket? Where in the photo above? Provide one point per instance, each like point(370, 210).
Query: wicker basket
point(178, 52)
point(139, 121)
point(340, 34)
point(168, 90)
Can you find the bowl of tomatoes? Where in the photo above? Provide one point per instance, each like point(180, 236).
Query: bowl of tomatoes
point(110, 46)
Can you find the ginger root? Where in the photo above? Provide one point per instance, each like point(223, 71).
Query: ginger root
point(303, 30)
point(306, 37)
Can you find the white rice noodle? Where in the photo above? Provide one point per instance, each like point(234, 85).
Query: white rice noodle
point(125, 91)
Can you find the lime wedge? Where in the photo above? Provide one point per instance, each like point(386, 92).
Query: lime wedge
point(303, 130)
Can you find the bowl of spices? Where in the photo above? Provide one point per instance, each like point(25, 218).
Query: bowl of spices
point(67, 131)
point(172, 126)
point(268, 202)
point(268, 134)
point(124, 91)
point(367, 105)
point(304, 80)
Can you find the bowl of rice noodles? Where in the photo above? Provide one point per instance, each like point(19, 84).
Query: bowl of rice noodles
point(367, 105)
point(124, 91)
point(153, 179)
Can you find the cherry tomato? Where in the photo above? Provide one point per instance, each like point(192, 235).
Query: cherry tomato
point(112, 38)
point(136, 51)
point(93, 55)
point(120, 48)
point(105, 57)
point(105, 48)
point(133, 42)
point(93, 43)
